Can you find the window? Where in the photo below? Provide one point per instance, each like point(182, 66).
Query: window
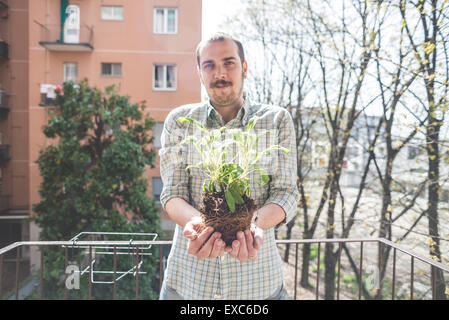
point(157, 188)
point(413, 152)
point(111, 69)
point(166, 20)
point(48, 94)
point(157, 132)
point(71, 71)
point(111, 13)
point(352, 151)
point(164, 77)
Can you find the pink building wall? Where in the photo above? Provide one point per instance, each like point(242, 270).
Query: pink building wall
point(130, 42)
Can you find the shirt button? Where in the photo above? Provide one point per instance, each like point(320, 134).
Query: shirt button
point(222, 258)
point(217, 296)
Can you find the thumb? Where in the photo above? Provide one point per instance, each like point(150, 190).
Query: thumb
point(189, 232)
point(258, 238)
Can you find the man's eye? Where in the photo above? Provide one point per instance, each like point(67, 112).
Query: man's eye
point(208, 66)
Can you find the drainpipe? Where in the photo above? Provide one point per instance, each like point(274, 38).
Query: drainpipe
point(64, 5)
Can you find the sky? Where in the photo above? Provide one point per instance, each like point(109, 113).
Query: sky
point(214, 12)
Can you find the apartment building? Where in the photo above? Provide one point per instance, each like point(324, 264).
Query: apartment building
point(145, 46)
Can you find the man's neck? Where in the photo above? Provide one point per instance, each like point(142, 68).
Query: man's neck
point(228, 112)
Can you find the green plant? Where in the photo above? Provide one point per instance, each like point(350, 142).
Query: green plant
point(230, 176)
point(92, 175)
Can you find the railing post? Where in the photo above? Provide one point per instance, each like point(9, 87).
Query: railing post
point(66, 292)
point(161, 266)
point(90, 272)
point(361, 270)
point(318, 272)
point(379, 290)
point(412, 276)
point(296, 270)
point(1, 276)
point(41, 275)
point(394, 274)
point(115, 274)
point(433, 282)
point(17, 272)
point(339, 268)
point(137, 272)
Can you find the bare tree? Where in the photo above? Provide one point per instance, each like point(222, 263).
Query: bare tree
point(426, 25)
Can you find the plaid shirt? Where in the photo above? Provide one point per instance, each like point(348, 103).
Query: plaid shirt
point(226, 277)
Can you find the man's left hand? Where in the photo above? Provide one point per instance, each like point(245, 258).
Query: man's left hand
point(247, 245)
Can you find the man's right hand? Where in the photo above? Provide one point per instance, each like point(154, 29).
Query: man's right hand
point(203, 242)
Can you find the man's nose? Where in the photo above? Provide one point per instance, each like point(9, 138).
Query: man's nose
point(220, 72)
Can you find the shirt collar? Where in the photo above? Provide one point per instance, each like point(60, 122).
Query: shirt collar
point(243, 114)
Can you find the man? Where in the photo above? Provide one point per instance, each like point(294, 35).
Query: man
point(199, 265)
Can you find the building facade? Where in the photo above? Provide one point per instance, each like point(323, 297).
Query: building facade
point(147, 47)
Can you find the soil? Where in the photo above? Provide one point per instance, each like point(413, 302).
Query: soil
point(216, 213)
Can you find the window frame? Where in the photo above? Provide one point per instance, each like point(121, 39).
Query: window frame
point(165, 88)
point(113, 15)
point(112, 75)
point(157, 134)
point(165, 24)
point(158, 200)
point(65, 65)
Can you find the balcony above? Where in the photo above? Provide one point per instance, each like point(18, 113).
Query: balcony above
point(4, 50)
point(3, 4)
point(4, 154)
point(56, 38)
point(4, 203)
point(4, 108)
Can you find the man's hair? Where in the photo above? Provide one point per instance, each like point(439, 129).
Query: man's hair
point(216, 37)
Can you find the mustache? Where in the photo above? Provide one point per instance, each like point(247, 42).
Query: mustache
point(220, 82)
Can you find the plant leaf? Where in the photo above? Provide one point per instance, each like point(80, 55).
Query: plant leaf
point(236, 195)
point(192, 121)
point(263, 175)
point(211, 186)
point(230, 200)
point(252, 122)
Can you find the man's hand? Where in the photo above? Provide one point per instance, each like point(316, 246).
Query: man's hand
point(247, 245)
point(202, 243)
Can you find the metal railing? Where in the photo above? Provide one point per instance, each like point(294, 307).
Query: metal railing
point(54, 33)
point(138, 246)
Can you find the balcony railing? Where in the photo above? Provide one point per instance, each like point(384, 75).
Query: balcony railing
point(138, 247)
point(4, 153)
point(3, 4)
point(4, 202)
point(4, 108)
point(54, 39)
point(4, 50)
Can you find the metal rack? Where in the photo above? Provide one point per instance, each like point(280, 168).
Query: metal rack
point(112, 248)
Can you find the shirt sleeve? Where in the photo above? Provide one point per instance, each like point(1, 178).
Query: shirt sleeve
point(283, 189)
point(173, 161)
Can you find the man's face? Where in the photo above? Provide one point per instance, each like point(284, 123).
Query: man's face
point(222, 73)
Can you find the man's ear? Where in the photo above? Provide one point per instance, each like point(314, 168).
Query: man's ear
point(245, 68)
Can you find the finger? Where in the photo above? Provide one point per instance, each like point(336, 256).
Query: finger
point(258, 238)
point(234, 252)
point(196, 245)
point(206, 249)
point(189, 233)
point(243, 252)
point(252, 252)
point(193, 228)
point(218, 248)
